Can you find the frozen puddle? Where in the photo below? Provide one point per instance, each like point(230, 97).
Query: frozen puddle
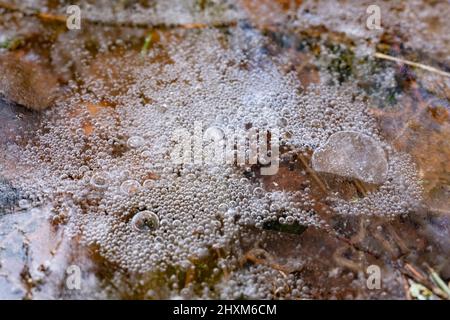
point(98, 175)
point(102, 158)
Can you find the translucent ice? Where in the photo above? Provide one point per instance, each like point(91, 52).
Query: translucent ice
point(8, 196)
point(352, 155)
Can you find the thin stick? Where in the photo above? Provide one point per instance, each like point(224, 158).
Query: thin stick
point(190, 275)
point(360, 187)
point(312, 173)
point(441, 211)
point(406, 287)
point(411, 63)
point(419, 277)
point(399, 241)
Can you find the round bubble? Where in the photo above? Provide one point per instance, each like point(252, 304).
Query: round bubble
point(130, 187)
point(135, 142)
point(99, 180)
point(145, 221)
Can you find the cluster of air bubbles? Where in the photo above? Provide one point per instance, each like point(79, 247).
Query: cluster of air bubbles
point(145, 212)
point(399, 194)
point(176, 219)
point(261, 282)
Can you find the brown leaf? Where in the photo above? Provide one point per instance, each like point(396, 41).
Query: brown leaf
point(27, 83)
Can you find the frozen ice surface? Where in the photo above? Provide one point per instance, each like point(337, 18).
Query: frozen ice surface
point(91, 162)
point(8, 196)
point(101, 155)
point(352, 155)
point(34, 259)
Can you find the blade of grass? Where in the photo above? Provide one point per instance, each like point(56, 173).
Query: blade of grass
point(146, 46)
point(438, 281)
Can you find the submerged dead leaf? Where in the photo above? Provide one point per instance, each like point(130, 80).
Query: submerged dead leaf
point(421, 127)
point(269, 12)
point(26, 82)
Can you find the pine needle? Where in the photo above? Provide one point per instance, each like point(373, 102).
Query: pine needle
point(411, 63)
point(312, 173)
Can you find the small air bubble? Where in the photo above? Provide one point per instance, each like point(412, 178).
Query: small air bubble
point(146, 154)
point(223, 207)
point(148, 184)
point(145, 221)
point(258, 192)
point(135, 142)
point(130, 187)
point(99, 180)
point(24, 204)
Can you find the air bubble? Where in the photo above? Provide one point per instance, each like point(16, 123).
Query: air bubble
point(146, 154)
point(99, 180)
point(223, 207)
point(282, 122)
point(135, 142)
point(130, 187)
point(148, 184)
point(176, 223)
point(24, 204)
point(145, 221)
point(258, 192)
